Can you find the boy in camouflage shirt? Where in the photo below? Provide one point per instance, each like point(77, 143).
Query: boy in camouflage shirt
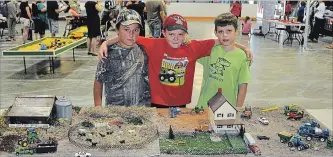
point(124, 72)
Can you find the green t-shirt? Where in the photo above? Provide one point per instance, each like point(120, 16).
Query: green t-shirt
point(226, 70)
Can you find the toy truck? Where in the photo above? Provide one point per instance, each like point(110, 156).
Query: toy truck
point(247, 113)
point(248, 139)
point(285, 136)
point(297, 142)
point(322, 136)
point(308, 128)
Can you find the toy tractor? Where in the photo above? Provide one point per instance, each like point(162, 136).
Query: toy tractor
point(297, 142)
point(247, 113)
point(197, 110)
point(19, 151)
point(296, 115)
point(173, 111)
point(285, 136)
point(290, 108)
point(31, 137)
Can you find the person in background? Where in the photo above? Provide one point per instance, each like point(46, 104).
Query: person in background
point(73, 11)
point(25, 19)
point(319, 21)
point(246, 26)
point(76, 19)
point(155, 17)
point(41, 23)
point(109, 6)
point(139, 7)
point(11, 19)
point(236, 9)
point(287, 11)
point(300, 13)
point(53, 10)
point(93, 24)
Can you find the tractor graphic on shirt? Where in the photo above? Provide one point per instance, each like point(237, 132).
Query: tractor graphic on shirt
point(172, 72)
point(219, 66)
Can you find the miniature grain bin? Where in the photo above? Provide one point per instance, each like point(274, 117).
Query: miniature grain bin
point(64, 108)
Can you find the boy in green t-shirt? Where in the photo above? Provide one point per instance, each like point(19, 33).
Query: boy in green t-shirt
point(227, 67)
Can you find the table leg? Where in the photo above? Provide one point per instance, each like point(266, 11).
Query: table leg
point(25, 66)
point(73, 55)
point(288, 38)
point(50, 62)
point(52, 65)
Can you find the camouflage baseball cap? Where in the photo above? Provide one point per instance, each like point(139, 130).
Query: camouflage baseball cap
point(128, 16)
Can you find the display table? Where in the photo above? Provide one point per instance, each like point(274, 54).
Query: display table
point(186, 141)
point(32, 49)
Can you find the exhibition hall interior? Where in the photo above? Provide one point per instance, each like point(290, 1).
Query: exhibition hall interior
point(60, 95)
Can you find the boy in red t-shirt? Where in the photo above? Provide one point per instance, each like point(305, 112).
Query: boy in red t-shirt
point(171, 63)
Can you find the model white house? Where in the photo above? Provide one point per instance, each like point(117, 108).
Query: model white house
point(222, 115)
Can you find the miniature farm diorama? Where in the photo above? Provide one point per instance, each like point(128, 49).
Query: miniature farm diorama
point(49, 124)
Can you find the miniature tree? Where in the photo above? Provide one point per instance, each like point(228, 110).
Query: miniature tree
point(241, 131)
point(171, 135)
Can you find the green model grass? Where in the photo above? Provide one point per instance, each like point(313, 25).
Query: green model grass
point(201, 144)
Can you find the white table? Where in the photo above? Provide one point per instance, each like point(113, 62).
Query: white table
point(278, 22)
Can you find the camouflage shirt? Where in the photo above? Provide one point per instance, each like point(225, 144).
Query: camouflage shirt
point(124, 74)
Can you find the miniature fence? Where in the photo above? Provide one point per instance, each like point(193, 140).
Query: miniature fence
point(237, 144)
point(99, 146)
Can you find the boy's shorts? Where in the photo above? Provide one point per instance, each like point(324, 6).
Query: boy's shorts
point(54, 26)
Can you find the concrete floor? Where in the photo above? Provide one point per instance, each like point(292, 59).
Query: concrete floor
point(282, 75)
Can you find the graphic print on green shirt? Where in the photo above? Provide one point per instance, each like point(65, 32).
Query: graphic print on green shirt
point(173, 71)
point(226, 70)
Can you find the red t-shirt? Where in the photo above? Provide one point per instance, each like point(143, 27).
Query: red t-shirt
point(236, 9)
point(171, 71)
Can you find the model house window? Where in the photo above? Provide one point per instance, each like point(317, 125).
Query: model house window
point(219, 115)
point(220, 126)
point(229, 126)
point(230, 115)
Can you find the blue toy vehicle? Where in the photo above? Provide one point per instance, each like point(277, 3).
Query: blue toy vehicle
point(297, 142)
point(322, 136)
point(43, 47)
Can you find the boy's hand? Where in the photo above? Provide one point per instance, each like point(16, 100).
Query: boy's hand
point(249, 55)
point(103, 51)
point(240, 109)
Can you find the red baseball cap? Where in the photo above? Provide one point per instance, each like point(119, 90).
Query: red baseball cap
point(174, 22)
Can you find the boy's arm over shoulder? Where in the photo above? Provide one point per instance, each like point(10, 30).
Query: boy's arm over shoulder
point(202, 48)
point(148, 44)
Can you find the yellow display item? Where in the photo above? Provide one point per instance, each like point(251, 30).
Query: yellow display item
point(50, 43)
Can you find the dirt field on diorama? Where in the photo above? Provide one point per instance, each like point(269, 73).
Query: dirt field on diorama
point(182, 123)
point(278, 122)
point(134, 142)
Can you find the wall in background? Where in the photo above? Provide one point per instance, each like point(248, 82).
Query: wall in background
point(208, 10)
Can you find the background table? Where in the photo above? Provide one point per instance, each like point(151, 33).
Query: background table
point(15, 52)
